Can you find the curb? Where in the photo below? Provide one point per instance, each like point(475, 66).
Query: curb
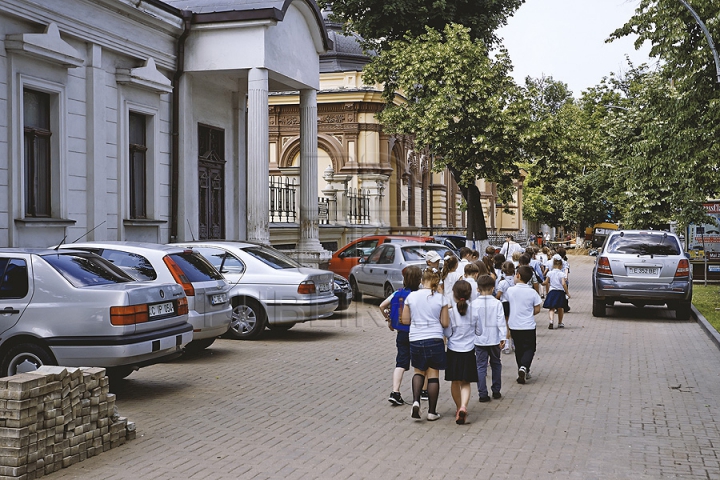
point(705, 325)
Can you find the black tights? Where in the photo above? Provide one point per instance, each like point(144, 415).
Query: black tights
point(433, 390)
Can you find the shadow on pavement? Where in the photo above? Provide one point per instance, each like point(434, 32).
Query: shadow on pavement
point(649, 313)
point(130, 388)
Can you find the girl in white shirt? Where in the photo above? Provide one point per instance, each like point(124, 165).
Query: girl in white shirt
point(461, 367)
point(426, 312)
point(557, 281)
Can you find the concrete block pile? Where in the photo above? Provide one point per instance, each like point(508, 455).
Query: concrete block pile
point(55, 417)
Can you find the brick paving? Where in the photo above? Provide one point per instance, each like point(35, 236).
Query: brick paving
point(633, 395)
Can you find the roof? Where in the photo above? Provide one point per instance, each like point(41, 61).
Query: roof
point(219, 11)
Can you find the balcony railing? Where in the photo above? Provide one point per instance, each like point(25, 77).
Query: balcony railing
point(358, 206)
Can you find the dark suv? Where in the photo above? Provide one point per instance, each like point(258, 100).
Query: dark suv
point(642, 268)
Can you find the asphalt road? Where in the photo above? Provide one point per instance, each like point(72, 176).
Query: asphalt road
point(634, 395)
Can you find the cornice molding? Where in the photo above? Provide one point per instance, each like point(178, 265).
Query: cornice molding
point(146, 77)
point(47, 46)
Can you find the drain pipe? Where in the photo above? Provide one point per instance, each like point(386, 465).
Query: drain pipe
point(175, 127)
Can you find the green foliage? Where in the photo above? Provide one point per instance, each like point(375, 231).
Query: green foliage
point(461, 104)
point(707, 300)
point(382, 21)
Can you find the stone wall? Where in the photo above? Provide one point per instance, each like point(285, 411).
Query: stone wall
point(55, 417)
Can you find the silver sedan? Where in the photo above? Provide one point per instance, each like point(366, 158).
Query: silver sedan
point(380, 274)
point(268, 287)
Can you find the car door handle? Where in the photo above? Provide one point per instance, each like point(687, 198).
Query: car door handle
point(8, 310)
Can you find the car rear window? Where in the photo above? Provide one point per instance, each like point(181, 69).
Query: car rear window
point(13, 278)
point(411, 254)
point(271, 257)
point(195, 267)
point(133, 264)
point(86, 270)
point(643, 244)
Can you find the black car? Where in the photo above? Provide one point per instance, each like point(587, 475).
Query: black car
point(343, 292)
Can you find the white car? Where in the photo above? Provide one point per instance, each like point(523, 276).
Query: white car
point(206, 290)
point(268, 287)
point(74, 308)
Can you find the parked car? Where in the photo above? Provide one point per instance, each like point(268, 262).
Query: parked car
point(268, 287)
point(74, 309)
point(342, 291)
point(348, 256)
point(381, 274)
point(206, 290)
point(642, 268)
point(454, 242)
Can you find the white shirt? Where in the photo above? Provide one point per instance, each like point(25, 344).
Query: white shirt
point(425, 310)
point(504, 285)
point(461, 331)
point(509, 248)
point(556, 277)
point(542, 258)
point(449, 283)
point(473, 286)
point(523, 299)
point(488, 312)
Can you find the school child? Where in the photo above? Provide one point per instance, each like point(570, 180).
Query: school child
point(427, 314)
point(525, 260)
point(461, 368)
point(525, 303)
point(465, 254)
point(392, 308)
point(487, 311)
point(472, 271)
point(516, 258)
point(450, 274)
point(506, 281)
point(498, 261)
point(474, 256)
point(556, 298)
point(566, 267)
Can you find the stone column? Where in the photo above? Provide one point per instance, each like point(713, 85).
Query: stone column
point(309, 232)
point(258, 157)
point(96, 145)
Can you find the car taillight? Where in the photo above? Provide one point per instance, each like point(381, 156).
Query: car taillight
point(683, 269)
point(129, 315)
point(307, 287)
point(604, 266)
point(179, 276)
point(182, 306)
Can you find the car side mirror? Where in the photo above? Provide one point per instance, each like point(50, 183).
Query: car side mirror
point(362, 260)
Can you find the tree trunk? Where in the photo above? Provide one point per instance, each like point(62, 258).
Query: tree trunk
point(476, 227)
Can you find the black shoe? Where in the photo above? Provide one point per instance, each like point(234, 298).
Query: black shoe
point(497, 395)
point(484, 399)
point(424, 395)
point(567, 308)
point(550, 327)
point(396, 399)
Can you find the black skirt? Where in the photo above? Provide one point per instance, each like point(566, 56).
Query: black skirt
point(461, 367)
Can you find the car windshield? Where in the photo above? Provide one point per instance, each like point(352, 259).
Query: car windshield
point(195, 267)
point(86, 270)
point(643, 244)
point(271, 257)
point(412, 254)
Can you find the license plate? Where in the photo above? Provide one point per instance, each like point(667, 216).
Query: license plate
point(161, 309)
point(324, 287)
point(218, 299)
point(643, 271)
point(348, 295)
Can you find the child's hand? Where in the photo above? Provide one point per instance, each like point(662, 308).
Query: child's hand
point(502, 344)
point(568, 295)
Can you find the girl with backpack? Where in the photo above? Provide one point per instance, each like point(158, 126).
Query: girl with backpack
point(392, 308)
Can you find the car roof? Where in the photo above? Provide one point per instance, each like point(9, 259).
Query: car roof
point(223, 243)
point(134, 247)
point(652, 232)
point(39, 251)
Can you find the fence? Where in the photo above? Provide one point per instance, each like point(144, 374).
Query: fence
point(358, 206)
point(282, 200)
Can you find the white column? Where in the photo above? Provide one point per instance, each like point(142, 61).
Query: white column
point(96, 145)
point(258, 157)
point(309, 232)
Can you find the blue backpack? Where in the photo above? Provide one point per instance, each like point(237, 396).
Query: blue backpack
point(396, 306)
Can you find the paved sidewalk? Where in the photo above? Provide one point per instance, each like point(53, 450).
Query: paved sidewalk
point(634, 395)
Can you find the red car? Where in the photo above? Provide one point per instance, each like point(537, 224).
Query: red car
point(349, 255)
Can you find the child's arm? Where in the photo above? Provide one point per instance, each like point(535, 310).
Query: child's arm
point(445, 316)
point(565, 287)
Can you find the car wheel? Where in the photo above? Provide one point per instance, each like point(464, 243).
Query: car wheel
point(248, 320)
point(357, 294)
point(388, 290)
point(598, 307)
point(683, 310)
point(281, 327)
point(199, 345)
point(25, 357)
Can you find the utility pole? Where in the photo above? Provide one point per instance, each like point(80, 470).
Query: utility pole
point(707, 35)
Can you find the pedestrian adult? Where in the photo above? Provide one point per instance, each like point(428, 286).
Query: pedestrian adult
point(427, 314)
point(510, 246)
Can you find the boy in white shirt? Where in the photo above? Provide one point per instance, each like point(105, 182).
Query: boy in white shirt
point(488, 312)
point(525, 303)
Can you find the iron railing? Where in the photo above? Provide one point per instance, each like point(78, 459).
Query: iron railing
point(358, 206)
point(282, 200)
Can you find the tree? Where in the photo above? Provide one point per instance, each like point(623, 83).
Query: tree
point(673, 116)
point(383, 21)
point(461, 105)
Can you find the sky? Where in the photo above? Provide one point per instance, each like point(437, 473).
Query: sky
point(565, 39)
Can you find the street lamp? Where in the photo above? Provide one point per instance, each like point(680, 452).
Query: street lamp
point(707, 35)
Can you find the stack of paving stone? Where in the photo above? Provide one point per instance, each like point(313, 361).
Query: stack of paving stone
point(55, 417)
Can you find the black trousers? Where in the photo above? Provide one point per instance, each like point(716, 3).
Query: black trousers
point(525, 345)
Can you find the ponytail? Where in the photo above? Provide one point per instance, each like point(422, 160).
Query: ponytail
point(451, 263)
point(461, 292)
point(431, 276)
